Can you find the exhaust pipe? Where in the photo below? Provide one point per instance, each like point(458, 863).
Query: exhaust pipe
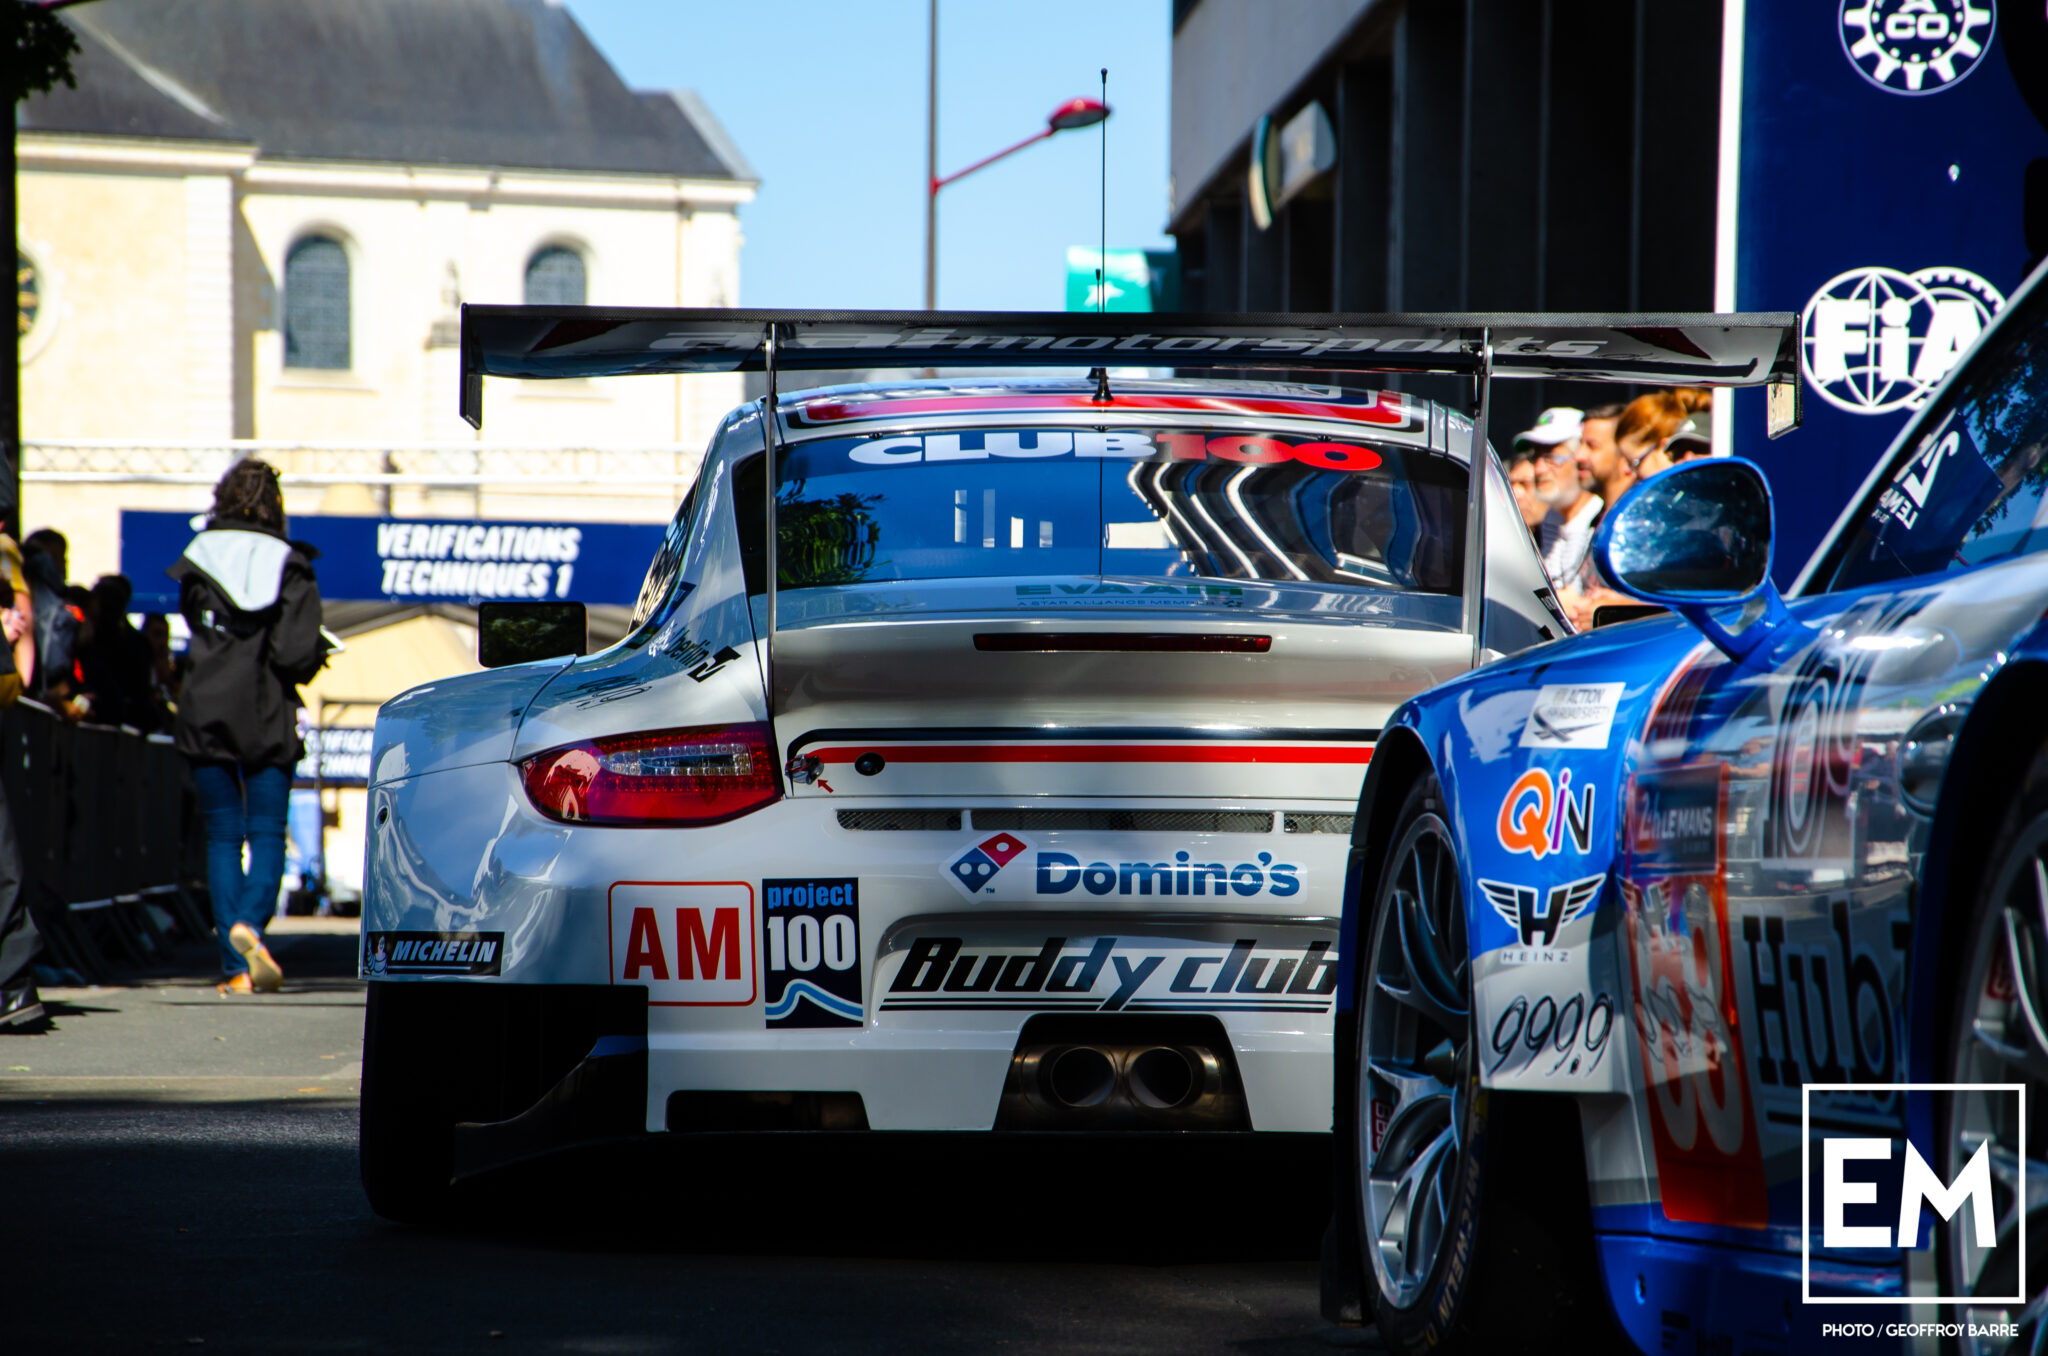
point(1089, 1072)
point(1079, 1076)
point(1162, 1077)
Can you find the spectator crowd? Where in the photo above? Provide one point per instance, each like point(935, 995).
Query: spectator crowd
point(1571, 464)
point(75, 649)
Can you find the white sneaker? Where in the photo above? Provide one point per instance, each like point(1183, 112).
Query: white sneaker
point(264, 975)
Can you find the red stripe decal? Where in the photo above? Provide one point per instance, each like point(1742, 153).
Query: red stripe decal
point(1104, 753)
point(1389, 409)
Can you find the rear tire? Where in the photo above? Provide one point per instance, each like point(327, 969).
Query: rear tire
point(405, 1125)
point(1471, 1206)
point(1988, 1037)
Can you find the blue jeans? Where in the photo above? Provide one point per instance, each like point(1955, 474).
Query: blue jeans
point(241, 803)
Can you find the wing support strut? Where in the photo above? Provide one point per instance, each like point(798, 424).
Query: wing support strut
point(771, 566)
point(1475, 501)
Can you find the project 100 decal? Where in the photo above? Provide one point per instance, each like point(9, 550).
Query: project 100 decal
point(810, 936)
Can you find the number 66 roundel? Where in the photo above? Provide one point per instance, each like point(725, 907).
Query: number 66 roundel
point(1709, 1164)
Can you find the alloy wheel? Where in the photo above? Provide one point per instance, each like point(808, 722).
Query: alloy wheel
point(1415, 1057)
point(2003, 1038)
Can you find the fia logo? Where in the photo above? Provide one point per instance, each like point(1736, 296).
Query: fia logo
point(1874, 340)
point(975, 869)
point(1541, 814)
point(1539, 916)
point(1897, 45)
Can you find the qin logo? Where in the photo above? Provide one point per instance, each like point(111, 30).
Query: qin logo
point(1874, 340)
point(974, 870)
point(1897, 45)
point(1542, 814)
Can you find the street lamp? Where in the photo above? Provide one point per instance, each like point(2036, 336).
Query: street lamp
point(1073, 113)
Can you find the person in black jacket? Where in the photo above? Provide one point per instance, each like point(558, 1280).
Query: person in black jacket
point(253, 608)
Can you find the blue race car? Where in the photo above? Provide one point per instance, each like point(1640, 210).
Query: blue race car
point(1731, 887)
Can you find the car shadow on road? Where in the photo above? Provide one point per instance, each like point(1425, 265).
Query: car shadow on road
point(1143, 1199)
point(850, 1246)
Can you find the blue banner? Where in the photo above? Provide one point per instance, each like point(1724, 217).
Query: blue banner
point(421, 560)
point(1888, 152)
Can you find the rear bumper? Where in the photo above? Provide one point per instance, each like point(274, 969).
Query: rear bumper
point(523, 1071)
point(787, 953)
point(924, 1080)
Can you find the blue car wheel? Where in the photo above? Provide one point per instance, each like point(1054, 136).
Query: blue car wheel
point(1416, 1073)
point(1998, 1033)
point(1469, 1205)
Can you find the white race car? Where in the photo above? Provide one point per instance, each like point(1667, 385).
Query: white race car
point(1033, 815)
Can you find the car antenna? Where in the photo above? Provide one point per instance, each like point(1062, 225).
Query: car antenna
point(1100, 375)
point(1102, 211)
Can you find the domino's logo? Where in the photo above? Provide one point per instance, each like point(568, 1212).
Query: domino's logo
point(1916, 46)
point(974, 870)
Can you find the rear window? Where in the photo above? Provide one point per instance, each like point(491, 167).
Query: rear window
point(1156, 503)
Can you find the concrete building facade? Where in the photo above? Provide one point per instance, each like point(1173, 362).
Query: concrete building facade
point(1500, 155)
point(254, 224)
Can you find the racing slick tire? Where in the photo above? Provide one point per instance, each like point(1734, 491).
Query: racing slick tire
point(1471, 1206)
point(405, 1126)
point(1993, 1032)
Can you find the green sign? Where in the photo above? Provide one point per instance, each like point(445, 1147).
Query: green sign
point(1135, 280)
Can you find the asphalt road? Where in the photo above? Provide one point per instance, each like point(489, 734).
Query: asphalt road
point(177, 1172)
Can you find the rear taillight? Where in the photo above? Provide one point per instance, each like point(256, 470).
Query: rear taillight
point(696, 776)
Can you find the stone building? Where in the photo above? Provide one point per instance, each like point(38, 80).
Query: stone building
point(251, 224)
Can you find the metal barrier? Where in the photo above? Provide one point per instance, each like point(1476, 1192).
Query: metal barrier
point(108, 826)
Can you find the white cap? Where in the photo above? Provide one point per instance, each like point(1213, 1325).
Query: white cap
point(1552, 427)
point(1697, 430)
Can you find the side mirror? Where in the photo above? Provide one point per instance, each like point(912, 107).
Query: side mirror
point(1696, 539)
point(518, 633)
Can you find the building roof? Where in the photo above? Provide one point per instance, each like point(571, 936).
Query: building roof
point(487, 83)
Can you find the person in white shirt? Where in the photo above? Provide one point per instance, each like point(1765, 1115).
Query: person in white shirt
point(1574, 508)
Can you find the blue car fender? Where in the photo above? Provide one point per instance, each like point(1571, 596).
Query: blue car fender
point(1532, 758)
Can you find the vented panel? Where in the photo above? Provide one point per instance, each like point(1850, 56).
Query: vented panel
point(899, 821)
point(1128, 821)
point(1318, 823)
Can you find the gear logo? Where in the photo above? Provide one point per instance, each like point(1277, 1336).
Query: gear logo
point(975, 869)
point(1916, 46)
point(1874, 340)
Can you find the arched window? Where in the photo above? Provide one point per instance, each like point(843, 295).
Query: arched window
point(554, 277)
point(316, 304)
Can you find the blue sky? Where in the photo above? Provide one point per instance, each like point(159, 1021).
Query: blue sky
point(828, 102)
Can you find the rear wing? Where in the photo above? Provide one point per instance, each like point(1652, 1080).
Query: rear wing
point(1677, 349)
point(594, 341)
